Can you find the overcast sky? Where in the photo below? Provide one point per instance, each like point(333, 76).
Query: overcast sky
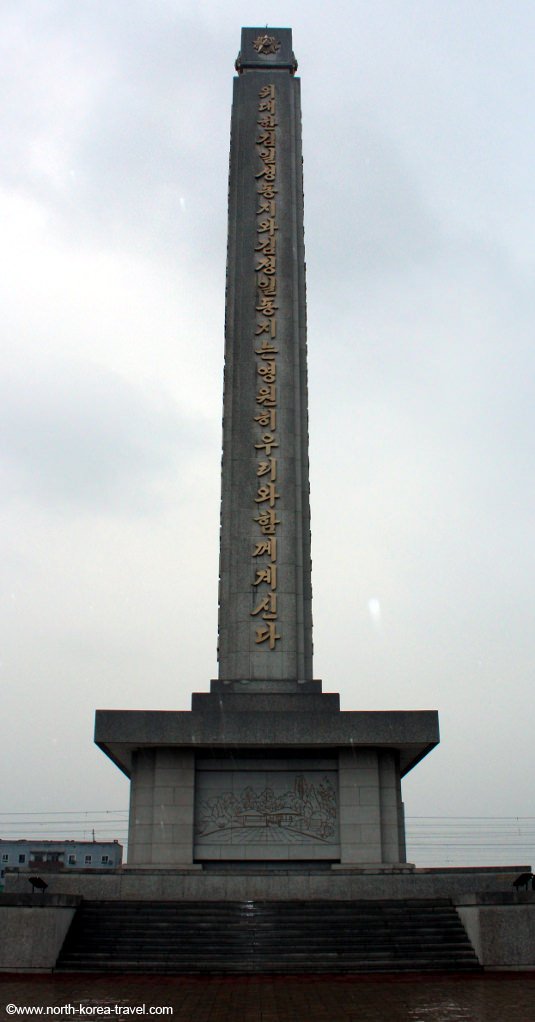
point(419, 156)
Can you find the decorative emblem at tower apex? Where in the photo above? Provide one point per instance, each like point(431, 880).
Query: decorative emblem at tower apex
point(266, 44)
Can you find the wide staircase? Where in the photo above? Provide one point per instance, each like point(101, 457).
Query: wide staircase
point(266, 937)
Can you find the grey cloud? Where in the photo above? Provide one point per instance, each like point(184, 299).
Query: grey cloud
point(366, 207)
point(87, 439)
point(419, 232)
point(106, 130)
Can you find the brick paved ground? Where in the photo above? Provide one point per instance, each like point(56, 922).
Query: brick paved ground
point(501, 998)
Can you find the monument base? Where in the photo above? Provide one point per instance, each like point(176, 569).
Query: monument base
point(266, 773)
point(268, 883)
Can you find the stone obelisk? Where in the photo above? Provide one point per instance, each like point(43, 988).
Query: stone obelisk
point(265, 768)
point(265, 617)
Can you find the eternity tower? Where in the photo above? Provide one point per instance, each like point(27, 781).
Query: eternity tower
point(265, 616)
point(265, 769)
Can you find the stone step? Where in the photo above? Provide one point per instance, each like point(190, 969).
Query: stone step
point(269, 937)
point(236, 966)
point(192, 962)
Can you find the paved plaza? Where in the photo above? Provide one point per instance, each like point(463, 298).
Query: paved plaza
point(411, 998)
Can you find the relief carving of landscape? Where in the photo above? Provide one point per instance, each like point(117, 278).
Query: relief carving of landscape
point(307, 811)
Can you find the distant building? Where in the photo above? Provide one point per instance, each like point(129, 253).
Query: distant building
point(56, 855)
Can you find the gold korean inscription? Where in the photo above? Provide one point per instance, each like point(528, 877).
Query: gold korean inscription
point(264, 553)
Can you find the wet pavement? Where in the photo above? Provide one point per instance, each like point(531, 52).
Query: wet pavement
point(502, 997)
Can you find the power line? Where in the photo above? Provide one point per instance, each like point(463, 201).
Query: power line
point(431, 840)
point(61, 812)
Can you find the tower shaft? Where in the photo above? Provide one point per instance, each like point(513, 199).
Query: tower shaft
point(265, 594)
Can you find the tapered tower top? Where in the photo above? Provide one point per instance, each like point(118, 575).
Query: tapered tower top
point(266, 49)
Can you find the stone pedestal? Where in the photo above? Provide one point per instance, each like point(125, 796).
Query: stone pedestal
point(266, 777)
